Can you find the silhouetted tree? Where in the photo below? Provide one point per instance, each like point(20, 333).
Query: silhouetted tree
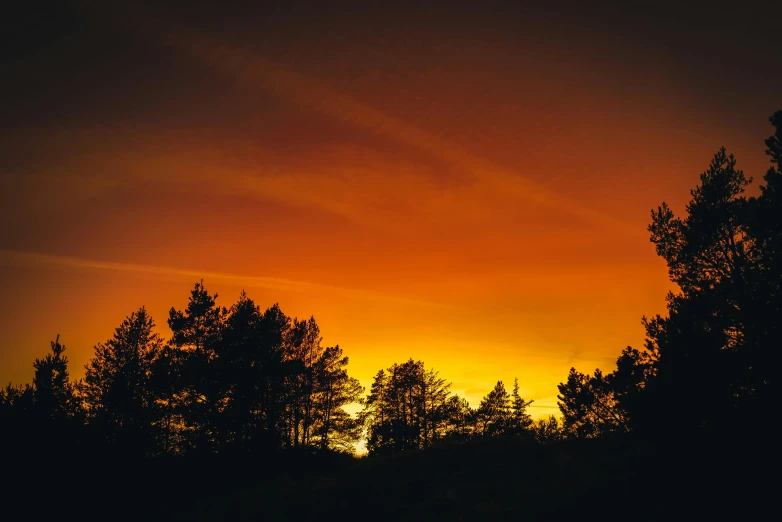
point(589, 407)
point(42, 420)
point(375, 415)
point(403, 394)
point(277, 368)
point(718, 344)
point(520, 421)
point(460, 419)
point(494, 413)
point(334, 389)
point(53, 393)
point(167, 393)
point(765, 226)
point(196, 332)
point(117, 391)
point(630, 384)
point(251, 372)
point(303, 348)
point(407, 408)
point(434, 404)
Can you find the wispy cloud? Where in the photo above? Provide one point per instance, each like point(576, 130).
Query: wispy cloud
point(23, 258)
point(388, 194)
point(250, 67)
point(367, 187)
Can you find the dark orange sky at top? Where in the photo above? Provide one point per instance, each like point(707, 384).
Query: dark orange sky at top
point(466, 187)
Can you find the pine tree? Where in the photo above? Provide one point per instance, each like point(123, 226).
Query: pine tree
point(53, 393)
point(196, 333)
point(303, 349)
point(589, 406)
point(117, 386)
point(334, 389)
point(520, 420)
point(494, 412)
point(408, 407)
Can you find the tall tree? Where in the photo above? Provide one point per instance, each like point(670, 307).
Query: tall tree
point(335, 389)
point(196, 332)
point(408, 407)
point(303, 349)
point(53, 393)
point(434, 403)
point(520, 420)
point(707, 344)
point(117, 390)
point(766, 227)
point(375, 415)
point(43, 420)
point(251, 370)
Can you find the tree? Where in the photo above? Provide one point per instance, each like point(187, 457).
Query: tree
point(52, 391)
point(251, 371)
point(196, 333)
point(589, 407)
point(43, 421)
point(276, 367)
point(719, 343)
point(117, 390)
point(408, 407)
point(334, 389)
point(434, 403)
point(374, 416)
point(632, 386)
point(460, 420)
point(766, 223)
point(766, 228)
point(520, 421)
point(165, 389)
point(403, 396)
point(303, 349)
point(494, 413)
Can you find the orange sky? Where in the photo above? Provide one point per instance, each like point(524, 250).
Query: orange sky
point(469, 189)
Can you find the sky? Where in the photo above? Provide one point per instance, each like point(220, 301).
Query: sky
point(467, 186)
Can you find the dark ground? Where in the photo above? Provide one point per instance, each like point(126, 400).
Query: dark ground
point(496, 479)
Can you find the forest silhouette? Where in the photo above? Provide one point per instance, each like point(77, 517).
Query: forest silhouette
point(240, 413)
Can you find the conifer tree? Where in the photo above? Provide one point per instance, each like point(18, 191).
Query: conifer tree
point(117, 386)
point(520, 420)
point(494, 412)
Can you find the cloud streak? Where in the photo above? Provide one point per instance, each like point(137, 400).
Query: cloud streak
point(252, 68)
point(24, 258)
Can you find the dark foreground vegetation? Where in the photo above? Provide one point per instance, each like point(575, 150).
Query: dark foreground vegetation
point(240, 414)
point(498, 478)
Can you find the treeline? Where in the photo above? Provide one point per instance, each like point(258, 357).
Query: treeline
point(243, 380)
point(239, 379)
point(235, 379)
point(409, 407)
